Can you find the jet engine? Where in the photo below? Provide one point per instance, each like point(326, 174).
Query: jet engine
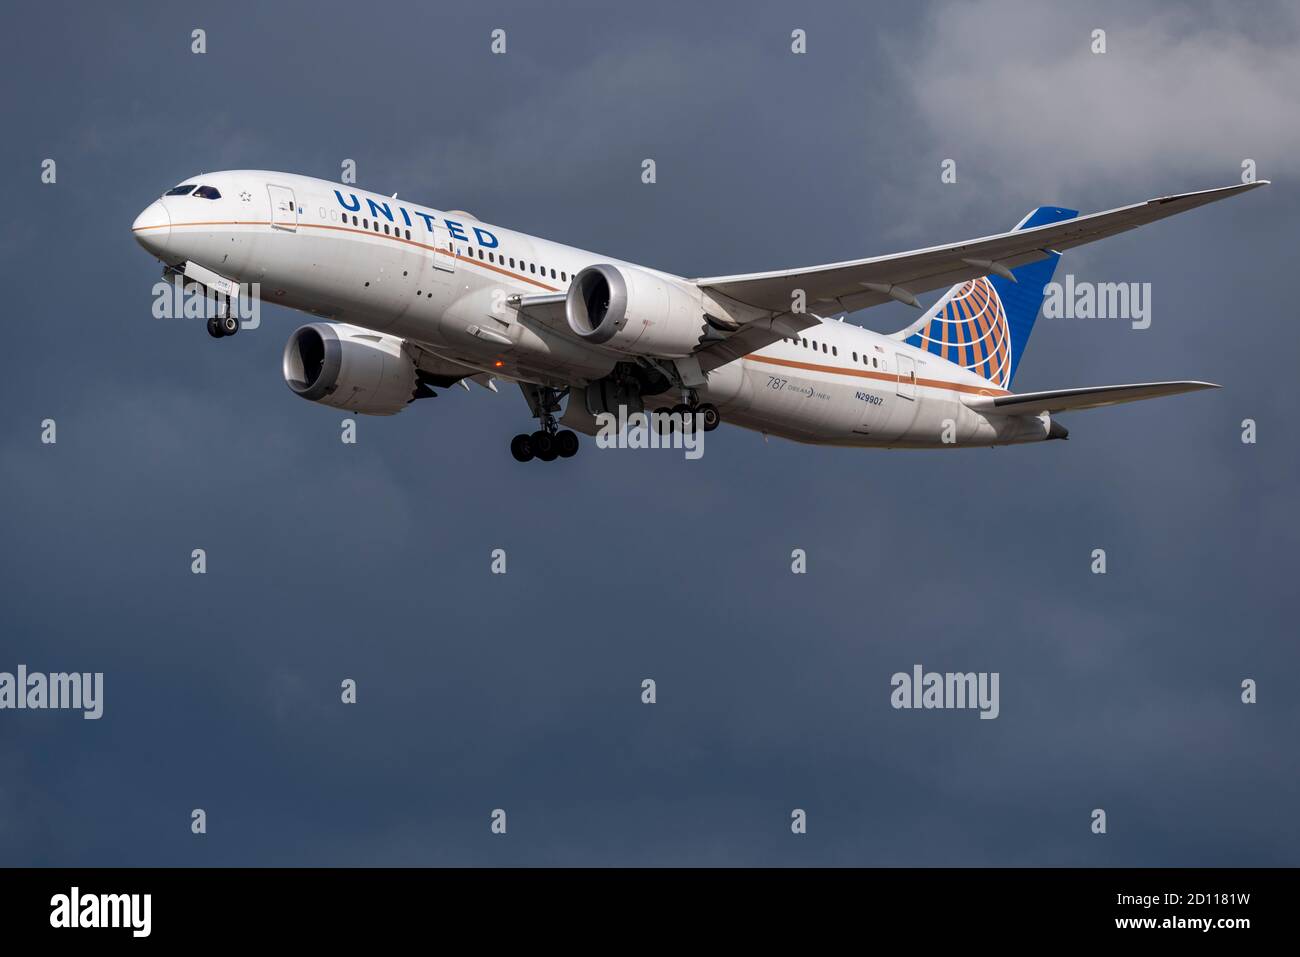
point(634, 312)
point(351, 368)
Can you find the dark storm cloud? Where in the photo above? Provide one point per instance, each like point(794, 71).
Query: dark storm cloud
point(522, 692)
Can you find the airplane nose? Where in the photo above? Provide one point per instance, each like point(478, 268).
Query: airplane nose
point(153, 228)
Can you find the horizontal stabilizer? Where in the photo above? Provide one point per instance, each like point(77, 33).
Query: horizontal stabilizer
point(1067, 400)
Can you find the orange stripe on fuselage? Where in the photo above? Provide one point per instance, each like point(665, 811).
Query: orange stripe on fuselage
point(365, 232)
point(879, 376)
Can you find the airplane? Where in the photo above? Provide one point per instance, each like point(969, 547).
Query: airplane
point(411, 298)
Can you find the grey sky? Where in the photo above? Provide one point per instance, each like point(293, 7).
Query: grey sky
point(523, 692)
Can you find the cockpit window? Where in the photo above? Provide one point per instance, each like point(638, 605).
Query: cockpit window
point(207, 192)
point(180, 190)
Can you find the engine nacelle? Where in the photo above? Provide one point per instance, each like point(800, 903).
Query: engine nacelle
point(351, 368)
point(634, 312)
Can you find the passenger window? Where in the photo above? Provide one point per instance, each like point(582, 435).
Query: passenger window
point(835, 351)
point(563, 276)
point(855, 357)
point(385, 229)
point(823, 347)
point(552, 273)
point(512, 262)
point(408, 234)
point(480, 254)
point(180, 190)
point(365, 224)
point(207, 192)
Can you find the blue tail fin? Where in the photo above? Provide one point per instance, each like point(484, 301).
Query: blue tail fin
point(984, 324)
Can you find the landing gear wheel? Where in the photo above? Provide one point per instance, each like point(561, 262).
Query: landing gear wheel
point(229, 326)
point(521, 447)
point(546, 443)
point(566, 444)
point(214, 328)
point(710, 416)
point(688, 417)
point(663, 425)
point(543, 444)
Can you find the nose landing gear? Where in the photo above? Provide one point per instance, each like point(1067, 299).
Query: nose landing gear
point(221, 321)
point(220, 326)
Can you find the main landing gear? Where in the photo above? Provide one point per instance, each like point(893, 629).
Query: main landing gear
point(709, 417)
point(550, 441)
point(683, 415)
point(544, 445)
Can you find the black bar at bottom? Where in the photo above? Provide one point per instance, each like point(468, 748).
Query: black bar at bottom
point(239, 904)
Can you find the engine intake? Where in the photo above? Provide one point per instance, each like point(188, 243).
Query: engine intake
point(351, 368)
point(634, 312)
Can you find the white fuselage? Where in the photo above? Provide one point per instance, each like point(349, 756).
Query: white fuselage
point(435, 279)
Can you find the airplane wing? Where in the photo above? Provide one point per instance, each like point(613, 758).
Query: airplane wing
point(548, 308)
point(860, 283)
point(1069, 400)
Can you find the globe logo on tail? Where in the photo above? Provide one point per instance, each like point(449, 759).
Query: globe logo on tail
point(970, 329)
